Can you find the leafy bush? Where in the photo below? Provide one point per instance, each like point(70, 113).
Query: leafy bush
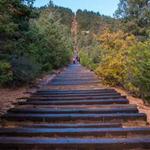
point(84, 58)
point(33, 40)
point(134, 16)
point(89, 50)
point(52, 41)
point(90, 58)
point(113, 67)
point(120, 60)
point(125, 62)
point(24, 70)
point(6, 74)
point(140, 62)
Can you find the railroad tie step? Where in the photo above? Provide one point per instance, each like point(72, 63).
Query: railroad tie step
point(56, 118)
point(75, 117)
point(73, 97)
point(88, 107)
point(75, 132)
point(73, 102)
point(79, 110)
point(78, 125)
point(78, 97)
point(76, 91)
point(73, 143)
point(75, 94)
point(74, 83)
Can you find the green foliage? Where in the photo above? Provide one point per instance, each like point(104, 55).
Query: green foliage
point(91, 21)
point(88, 60)
point(14, 18)
point(89, 51)
point(85, 59)
point(90, 24)
point(114, 56)
point(64, 15)
point(119, 59)
point(6, 74)
point(140, 60)
point(135, 16)
point(53, 44)
point(33, 40)
point(112, 48)
point(24, 70)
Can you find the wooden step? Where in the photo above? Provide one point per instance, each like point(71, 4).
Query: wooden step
point(74, 132)
point(89, 107)
point(76, 91)
point(62, 80)
point(67, 111)
point(59, 79)
point(73, 102)
point(79, 125)
point(76, 94)
point(73, 143)
point(75, 117)
point(73, 83)
point(75, 98)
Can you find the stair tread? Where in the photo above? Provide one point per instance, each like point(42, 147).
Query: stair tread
point(79, 110)
point(79, 125)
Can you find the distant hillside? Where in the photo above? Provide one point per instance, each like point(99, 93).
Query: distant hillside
point(87, 20)
point(65, 15)
point(92, 21)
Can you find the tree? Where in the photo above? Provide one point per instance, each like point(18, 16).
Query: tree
point(33, 41)
point(91, 21)
point(14, 25)
point(28, 2)
point(64, 15)
point(135, 15)
point(51, 4)
point(140, 60)
point(52, 41)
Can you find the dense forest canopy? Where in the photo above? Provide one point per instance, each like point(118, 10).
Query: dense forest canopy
point(34, 40)
point(92, 21)
point(65, 15)
point(134, 14)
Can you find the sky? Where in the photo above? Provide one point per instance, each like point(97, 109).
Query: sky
point(106, 7)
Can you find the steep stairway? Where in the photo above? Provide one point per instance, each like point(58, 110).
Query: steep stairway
point(58, 117)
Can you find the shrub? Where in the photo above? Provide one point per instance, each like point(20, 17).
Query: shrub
point(24, 70)
point(140, 62)
point(84, 58)
point(6, 74)
point(125, 62)
point(113, 67)
point(33, 40)
point(52, 41)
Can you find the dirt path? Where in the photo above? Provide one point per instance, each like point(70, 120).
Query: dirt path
point(9, 96)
